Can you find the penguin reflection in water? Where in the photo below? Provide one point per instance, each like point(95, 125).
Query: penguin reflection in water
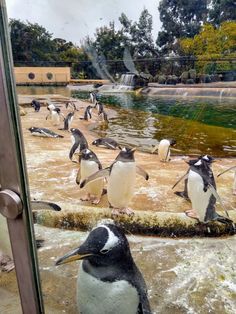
point(108, 279)
point(121, 180)
point(164, 147)
point(90, 164)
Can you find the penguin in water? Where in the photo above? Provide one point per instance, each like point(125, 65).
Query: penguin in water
point(234, 182)
point(87, 113)
point(79, 142)
point(121, 181)
point(107, 142)
point(36, 105)
point(90, 164)
point(164, 149)
point(6, 261)
point(68, 120)
point(44, 132)
point(184, 194)
point(202, 193)
point(108, 280)
point(55, 115)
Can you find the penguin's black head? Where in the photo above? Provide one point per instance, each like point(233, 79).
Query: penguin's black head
point(76, 132)
point(105, 245)
point(126, 154)
point(58, 110)
point(87, 154)
point(32, 129)
point(97, 142)
point(207, 158)
point(172, 142)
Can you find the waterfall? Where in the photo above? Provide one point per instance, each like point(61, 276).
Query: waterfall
point(127, 79)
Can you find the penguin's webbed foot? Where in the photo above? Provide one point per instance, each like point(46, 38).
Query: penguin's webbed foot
point(95, 200)
point(85, 198)
point(191, 214)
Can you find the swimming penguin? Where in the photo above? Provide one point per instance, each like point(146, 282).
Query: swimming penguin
point(164, 149)
point(36, 105)
point(208, 159)
point(44, 132)
point(108, 280)
point(87, 113)
point(6, 261)
point(202, 193)
point(90, 164)
point(234, 182)
point(107, 142)
point(121, 180)
point(68, 120)
point(79, 142)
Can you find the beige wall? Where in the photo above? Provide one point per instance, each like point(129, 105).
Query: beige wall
point(60, 75)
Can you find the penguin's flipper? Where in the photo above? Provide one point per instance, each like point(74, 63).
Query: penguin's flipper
point(72, 151)
point(180, 179)
point(78, 177)
point(36, 205)
point(223, 220)
point(226, 171)
point(214, 192)
point(155, 148)
point(110, 146)
point(95, 176)
point(142, 172)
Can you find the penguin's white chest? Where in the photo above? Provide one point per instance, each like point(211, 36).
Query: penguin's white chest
point(87, 168)
point(55, 118)
point(121, 184)
point(98, 297)
point(164, 150)
point(199, 199)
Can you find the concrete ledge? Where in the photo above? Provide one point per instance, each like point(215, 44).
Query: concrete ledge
point(142, 222)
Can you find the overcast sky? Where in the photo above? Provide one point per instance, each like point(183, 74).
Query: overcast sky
point(75, 19)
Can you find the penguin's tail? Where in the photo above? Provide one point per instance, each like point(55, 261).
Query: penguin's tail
point(183, 195)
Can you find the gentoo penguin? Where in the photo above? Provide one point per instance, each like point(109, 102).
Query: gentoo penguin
point(121, 180)
point(50, 107)
point(55, 115)
point(87, 113)
point(6, 262)
point(234, 183)
point(107, 142)
point(71, 106)
point(93, 97)
point(164, 149)
point(208, 159)
point(79, 142)
point(108, 280)
point(202, 192)
point(99, 107)
point(43, 132)
point(90, 164)
point(36, 105)
point(68, 120)
point(103, 116)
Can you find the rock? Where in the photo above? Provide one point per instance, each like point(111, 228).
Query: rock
point(162, 79)
point(190, 81)
point(192, 74)
point(171, 80)
point(184, 77)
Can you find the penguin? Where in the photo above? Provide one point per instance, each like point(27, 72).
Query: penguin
point(234, 182)
point(121, 181)
point(208, 159)
point(87, 113)
point(50, 106)
point(90, 164)
point(164, 149)
point(44, 132)
point(103, 116)
point(108, 279)
point(99, 107)
point(107, 142)
point(79, 142)
point(6, 261)
point(93, 97)
point(55, 115)
point(71, 106)
point(68, 120)
point(202, 193)
point(36, 105)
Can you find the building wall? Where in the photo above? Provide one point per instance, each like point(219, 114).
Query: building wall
point(42, 75)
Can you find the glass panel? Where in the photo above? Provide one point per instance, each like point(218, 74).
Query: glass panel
point(151, 90)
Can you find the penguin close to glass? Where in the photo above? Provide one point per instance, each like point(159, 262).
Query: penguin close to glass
point(108, 280)
point(36, 105)
point(164, 147)
point(234, 181)
point(202, 193)
point(121, 181)
point(89, 164)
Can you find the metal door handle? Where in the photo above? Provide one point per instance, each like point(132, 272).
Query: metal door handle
point(10, 204)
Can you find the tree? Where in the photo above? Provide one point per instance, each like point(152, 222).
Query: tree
point(221, 11)
point(180, 18)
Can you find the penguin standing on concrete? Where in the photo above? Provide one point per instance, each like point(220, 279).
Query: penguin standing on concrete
point(121, 180)
point(79, 142)
point(87, 113)
point(43, 132)
point(93, 97)
point(103, 116)
point(107, 142)
point(234, 182)
point(99, 107)
point(36, 104)
point(202, 193)
point(90, 164)
point(68, 120)
point(164, 149)
point(55, 115)
point(108, 280)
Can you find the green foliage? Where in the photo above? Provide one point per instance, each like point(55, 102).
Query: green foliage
point(221, 11)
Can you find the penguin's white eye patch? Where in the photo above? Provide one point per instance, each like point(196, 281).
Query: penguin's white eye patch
point(205, 157)
point(111, 242)
point(198, 163)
